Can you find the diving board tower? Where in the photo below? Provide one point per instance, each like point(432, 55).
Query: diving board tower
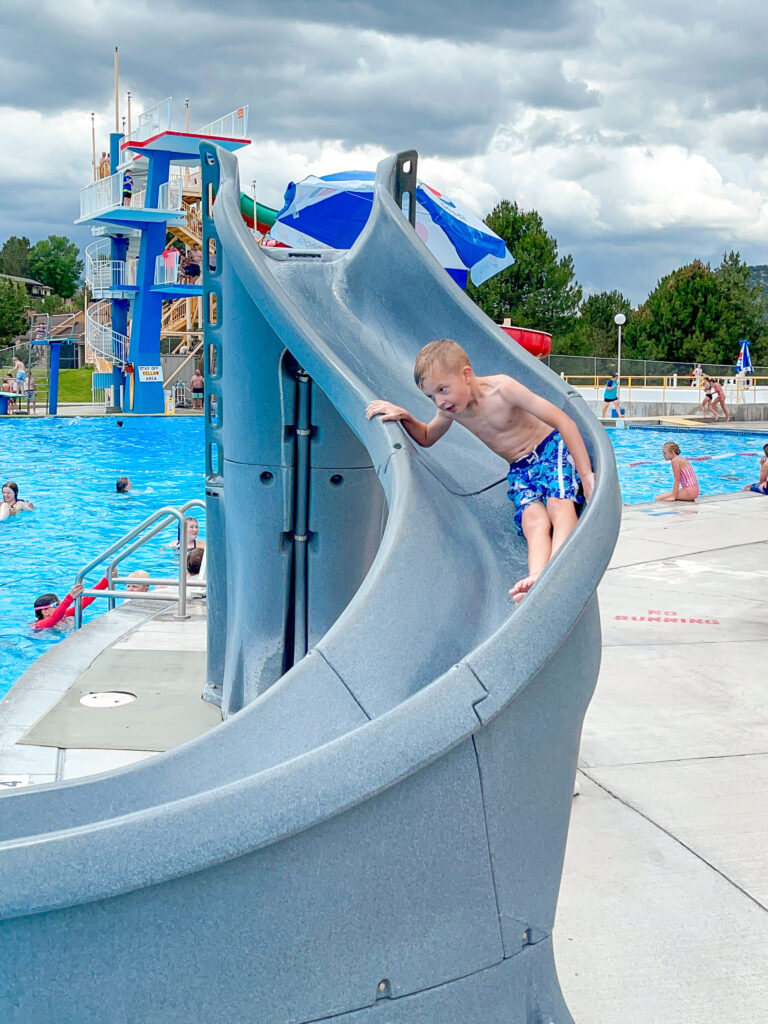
point(133, 277)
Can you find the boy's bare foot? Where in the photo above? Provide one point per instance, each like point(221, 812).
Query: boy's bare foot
point(522, 587)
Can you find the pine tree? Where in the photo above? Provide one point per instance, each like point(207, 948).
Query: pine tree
point(539, 290)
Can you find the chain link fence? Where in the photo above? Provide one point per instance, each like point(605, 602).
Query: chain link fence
point(599, 366)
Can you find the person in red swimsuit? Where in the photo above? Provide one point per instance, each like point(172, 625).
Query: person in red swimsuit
point(49, 611)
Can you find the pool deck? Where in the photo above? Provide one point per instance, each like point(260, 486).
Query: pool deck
point(662, 914)
point(90, 409)
point(47, 735)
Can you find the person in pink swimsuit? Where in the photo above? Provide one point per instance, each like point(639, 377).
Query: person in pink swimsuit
point(685, 486)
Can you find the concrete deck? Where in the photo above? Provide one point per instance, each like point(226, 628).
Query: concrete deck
point(47, 735)
point(662, 914)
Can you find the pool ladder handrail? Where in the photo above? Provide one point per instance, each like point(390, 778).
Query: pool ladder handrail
point(167, 514)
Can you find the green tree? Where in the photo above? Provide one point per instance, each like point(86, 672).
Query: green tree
point(55, 261)
point(13, 301)
point(79, 298)
point(744, 307)
point(14, 256)
point(679, 320)
point(540, 289)
point(696, 314)
point(47, 304)
point(593, 332)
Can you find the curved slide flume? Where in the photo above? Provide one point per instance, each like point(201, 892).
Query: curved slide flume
point(376, 831)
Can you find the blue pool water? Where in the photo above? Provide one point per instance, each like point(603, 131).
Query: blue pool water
point(68, 468)
point(735, 460)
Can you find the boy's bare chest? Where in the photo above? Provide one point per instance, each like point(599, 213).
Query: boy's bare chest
point(509, 431)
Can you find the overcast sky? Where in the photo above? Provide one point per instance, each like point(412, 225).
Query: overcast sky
point(639, 131)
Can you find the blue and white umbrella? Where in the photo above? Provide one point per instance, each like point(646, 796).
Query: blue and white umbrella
point(744, 362)
point(333, 210)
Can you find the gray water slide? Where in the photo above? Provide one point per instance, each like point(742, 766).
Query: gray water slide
point(375, 833)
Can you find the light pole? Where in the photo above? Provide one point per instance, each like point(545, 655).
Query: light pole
point(619, 320)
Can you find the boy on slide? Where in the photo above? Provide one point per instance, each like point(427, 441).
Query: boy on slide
point(545, 451)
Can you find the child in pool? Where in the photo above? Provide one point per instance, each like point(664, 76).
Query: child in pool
point(11, 502)
point(541, 444)
point(761, 487)
point(49, 612)
point(193, 532)
point(685, 486)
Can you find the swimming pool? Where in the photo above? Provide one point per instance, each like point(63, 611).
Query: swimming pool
point(729, 460)
point(68, 468)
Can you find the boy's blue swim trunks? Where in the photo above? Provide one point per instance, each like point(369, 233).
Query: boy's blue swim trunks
point(548, 472)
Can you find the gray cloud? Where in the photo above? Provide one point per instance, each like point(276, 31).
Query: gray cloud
point(547, 88)
point(560, 86)
point(567, 20)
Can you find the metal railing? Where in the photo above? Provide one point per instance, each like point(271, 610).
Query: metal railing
point(232, 126)
point(135, 539)
point(604, 365)
point(103, 273)
point(673, 386)
point(182, 396)
point(107, 194)
point(182, 316)
point(102, 388)
point(105, 342)
point(151, 122)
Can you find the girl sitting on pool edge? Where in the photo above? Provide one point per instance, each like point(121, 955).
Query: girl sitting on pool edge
point(685, 486)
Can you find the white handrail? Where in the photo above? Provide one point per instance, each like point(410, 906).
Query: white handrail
point(152, 122)
point(232, 126)
point(158, 521)
point(103, 273)
point(105, 342)
point(107, 194)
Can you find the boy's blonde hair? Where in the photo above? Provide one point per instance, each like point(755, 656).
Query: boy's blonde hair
point(138, 576)
point(446, 354)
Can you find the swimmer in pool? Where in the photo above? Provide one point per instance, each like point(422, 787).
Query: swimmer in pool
point(12, 503)
point(761, 487)
point(50, 612)
point(193, 532)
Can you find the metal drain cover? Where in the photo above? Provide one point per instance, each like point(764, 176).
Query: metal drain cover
point(107, 699)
